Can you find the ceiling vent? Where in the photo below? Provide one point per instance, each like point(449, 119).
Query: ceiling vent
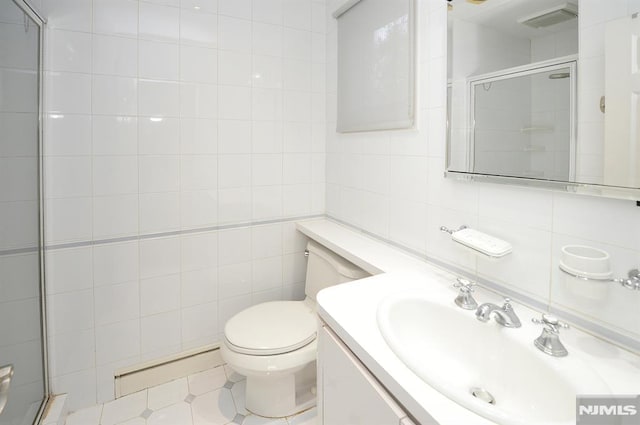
point(553, 16)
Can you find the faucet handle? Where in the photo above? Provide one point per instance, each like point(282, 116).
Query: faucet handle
point(465, 285)
point(465, 299)
point(551, 322)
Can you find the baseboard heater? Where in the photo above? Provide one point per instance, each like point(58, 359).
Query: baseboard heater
point(149, 374)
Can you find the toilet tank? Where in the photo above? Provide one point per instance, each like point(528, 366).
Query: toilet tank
point(326, 268)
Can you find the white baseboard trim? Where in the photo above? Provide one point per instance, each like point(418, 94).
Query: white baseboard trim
point(139, 377)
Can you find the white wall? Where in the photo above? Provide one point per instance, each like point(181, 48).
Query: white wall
point(391, 184)
point(166, 120)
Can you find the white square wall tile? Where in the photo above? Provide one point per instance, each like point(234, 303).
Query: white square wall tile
point(67, 176)
point(159, 173)
point(198, 64)
point(73, 15)
point(159, 98)
point(115, 263)
point(159, 257)
point(114, 95)
point(198, 172)
point(199, 251)
point(115, 55)
point(234, 102)
point(79, 385)
point(157, 60)
point(70, 311)
point(198, 100)
point(198, 208)
point(159, 135)
point(200, 324)
point(68, 92)
point(235, 8)
point(161, 332)
point(234, 136)
point(234, 171)
point(72, 352)
point(267, 202)
point(69, 270)
point(69, 51)
point(198, 136)
point(68, 220)
point(159, 294)
point(266, 241)
point(197, 27)
point(116, 303)
point(117, 341)
point(269, 11)
point(234, 205)
point(116, 17)
point(267, 274)
point(234, 280)
point(115, 216)
point(234, 68)
point(115, 175)
point(234, 246)
point(158, 22)
point(234, 34)
point(65, 134)
point(115, 135)
point(267, 39)
point(199, 287)
point(297, 14)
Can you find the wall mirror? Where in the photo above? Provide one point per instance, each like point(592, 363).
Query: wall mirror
point(545, 92)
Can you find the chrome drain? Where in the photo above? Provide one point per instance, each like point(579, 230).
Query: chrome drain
point(482, 394)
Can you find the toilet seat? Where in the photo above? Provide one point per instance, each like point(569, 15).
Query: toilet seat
point(271, 328)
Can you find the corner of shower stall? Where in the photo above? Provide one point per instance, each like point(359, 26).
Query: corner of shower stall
point(24, 388)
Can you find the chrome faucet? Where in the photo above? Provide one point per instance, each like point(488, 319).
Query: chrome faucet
point(465, 299)
point(504, 315)
point(549, 341)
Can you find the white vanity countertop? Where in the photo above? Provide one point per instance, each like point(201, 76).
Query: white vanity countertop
point(350, 310)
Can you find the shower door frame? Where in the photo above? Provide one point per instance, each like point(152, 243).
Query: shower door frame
point(570, 61)
point(39, 20)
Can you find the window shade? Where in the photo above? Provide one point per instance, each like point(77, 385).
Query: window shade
point(375, 65)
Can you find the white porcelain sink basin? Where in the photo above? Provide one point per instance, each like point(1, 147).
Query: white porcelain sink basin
point(455, 353)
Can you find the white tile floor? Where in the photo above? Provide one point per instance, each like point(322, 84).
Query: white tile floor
point(212, 397)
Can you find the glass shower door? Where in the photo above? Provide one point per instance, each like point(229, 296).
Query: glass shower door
point(22, 371)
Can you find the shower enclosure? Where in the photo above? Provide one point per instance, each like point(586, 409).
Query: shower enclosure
point(23, 383)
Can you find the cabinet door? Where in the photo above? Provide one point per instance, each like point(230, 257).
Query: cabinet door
point(350, 394)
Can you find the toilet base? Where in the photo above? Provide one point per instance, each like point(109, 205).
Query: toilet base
point(277, 396)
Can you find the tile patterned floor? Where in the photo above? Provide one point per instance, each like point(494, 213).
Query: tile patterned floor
point(212, 397)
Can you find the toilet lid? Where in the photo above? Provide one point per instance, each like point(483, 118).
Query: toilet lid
point(270, 328)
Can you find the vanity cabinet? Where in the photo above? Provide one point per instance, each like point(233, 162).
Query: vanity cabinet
point(348, 394)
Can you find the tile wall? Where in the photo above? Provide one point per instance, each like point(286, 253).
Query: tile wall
point(391, 184)
point(174, 128)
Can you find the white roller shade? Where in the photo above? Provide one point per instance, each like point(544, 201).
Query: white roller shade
point(375, 65)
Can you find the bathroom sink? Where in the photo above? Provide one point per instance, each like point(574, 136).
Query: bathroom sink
point(491, 370)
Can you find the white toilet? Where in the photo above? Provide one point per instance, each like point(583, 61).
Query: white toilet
point(274, 344)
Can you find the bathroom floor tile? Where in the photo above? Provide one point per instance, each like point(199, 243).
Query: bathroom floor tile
point(308, 417)
point(212, 397)
point(259, 420)
point(124, 408)
point(167, 394)
point(173, 415)
point(232, 375)
point(89, 416)
point(213, 408)
point(206, 381)
point(238, 393)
